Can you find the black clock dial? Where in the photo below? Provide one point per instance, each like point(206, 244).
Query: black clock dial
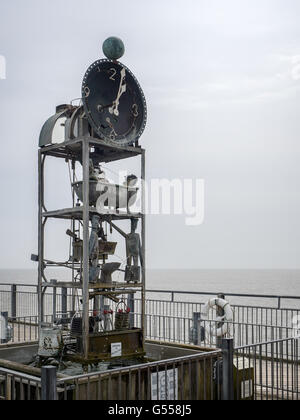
point(114, 102)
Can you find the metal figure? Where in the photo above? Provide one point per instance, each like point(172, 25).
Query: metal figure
point(134, 253)
point(133, 245)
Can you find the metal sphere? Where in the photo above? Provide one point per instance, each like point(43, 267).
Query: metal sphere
point(113, 48)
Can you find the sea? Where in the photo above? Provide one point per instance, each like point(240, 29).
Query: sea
point(253, 282)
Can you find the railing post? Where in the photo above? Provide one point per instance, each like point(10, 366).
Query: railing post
point(54, 299)
point(41, 303)
point(49, 375)
point(279, 302)
point(296, 366)
point(9, 379)
point(228, 386)
point(132, 309)
point(196, 336)
point(64, 302)
point(13, 301)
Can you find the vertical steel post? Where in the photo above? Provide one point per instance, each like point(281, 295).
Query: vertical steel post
point(130, 304)
point(54, 299)
point(228, 385)
point(73, 230)
point(8, 387)
point(296, 384)
point(86, 218)
point(143, 178)
point(49, 375)
point(64, 301)
point(13, 301)
point(40, 239)
point(196, 335)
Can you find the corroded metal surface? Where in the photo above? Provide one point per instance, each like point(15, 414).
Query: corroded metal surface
point(47, 130)
point(100, 345)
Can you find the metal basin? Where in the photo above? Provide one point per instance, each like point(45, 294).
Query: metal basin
point(114, 196)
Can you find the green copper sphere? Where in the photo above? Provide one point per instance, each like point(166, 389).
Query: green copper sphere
point(113, 48)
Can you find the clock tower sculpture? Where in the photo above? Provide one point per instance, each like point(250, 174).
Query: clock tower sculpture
point(97, 313)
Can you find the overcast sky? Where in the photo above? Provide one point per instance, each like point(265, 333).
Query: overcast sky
point(221, 79)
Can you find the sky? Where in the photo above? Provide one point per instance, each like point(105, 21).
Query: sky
point(221, 80)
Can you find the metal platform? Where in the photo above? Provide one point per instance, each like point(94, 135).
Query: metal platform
point(76, 213)
point(103, 152)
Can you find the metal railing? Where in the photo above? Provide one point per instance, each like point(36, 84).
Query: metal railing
point(243, 373)
point(244, 296)
point(267, 370)
point(182, 378)
point(204, 333)
point(176, 330)
point(22, 298)
point(16, 386)
point(166, 320)
point(276, 377)
point(190, 377)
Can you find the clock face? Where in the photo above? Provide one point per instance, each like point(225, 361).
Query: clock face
point(114, 102)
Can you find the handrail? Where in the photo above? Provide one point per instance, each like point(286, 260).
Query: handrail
point(181, 359)
point(172, 293)
point(186, 292)
point(279, 298)
point(266, 343)
point(19, 374)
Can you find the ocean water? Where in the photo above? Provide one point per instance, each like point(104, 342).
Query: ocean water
point(265, 282)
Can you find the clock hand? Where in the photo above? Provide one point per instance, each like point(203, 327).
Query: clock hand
point(117, 102)
point(122, 89)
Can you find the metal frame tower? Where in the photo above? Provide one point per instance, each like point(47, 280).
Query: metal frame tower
point(80, 149)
